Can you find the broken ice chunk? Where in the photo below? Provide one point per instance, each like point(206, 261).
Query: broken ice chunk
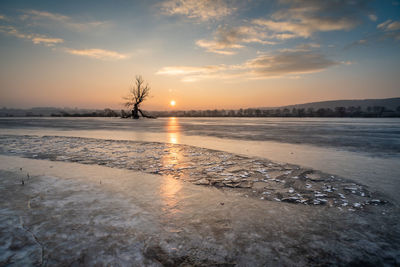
point(186, 168)
point(215, 169)
point(319, 194)
point(262, 171)
point(328, 189)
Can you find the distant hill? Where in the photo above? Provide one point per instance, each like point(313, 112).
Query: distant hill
point(388, 103)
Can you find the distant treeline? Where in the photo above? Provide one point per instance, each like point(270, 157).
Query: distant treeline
point(98, 113)
point(375, 111)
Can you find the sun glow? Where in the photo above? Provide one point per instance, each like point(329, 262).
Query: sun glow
point(172, 103)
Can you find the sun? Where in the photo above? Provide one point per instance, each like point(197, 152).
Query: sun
point(172, 103)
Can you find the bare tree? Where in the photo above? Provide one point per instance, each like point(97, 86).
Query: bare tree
point(138, 93)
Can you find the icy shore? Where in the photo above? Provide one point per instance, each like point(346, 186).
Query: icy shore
point(75, 214)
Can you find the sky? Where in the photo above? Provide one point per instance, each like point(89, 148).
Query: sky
point(204, 54)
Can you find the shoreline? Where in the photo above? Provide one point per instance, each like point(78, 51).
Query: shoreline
point(71, 213)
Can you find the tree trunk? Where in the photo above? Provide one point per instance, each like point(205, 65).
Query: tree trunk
point(135, 113)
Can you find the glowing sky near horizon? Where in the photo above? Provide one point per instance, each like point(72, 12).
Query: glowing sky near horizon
point(204, 54)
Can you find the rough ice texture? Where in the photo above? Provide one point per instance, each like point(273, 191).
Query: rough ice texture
point(69, 214)
point(253, 177)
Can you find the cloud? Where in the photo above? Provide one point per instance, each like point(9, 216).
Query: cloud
point(41, 39)
point(389, 25)
point(391, 30)
point(46, 18)
point(293, 19)
point(372, 17)
point(305, 28)
point(303, 18)
point(187, 70)
point(305, 47)
point(387, 30)
point(97, 53)
point(35, 38)
point(288, 62)
point(218, 48)
point(191, 74)
point(35, 18)
point(51, 18)
point(202, 10)
point(226, 39)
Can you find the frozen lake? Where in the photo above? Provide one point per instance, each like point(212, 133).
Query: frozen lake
point(377, 136)
point(89, 215)
point(71, 211)
point(362, 149)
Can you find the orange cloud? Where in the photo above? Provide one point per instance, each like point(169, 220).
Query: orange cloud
point(97, 53)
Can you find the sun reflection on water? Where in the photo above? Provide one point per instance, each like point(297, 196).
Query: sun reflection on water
point(169, 192)
point(173, 130)
point(171, 186)
point(173, 138)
